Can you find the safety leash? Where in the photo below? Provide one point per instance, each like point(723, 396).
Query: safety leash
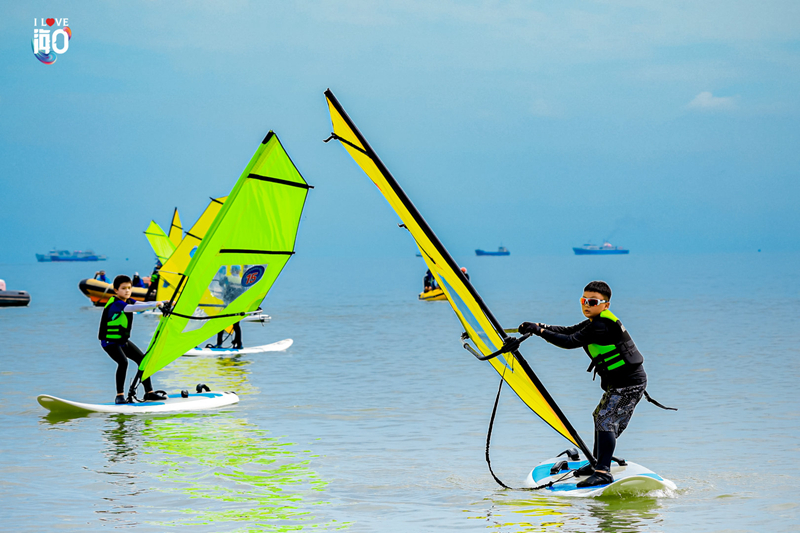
point(654, 402)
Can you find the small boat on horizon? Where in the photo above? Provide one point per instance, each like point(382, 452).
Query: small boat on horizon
point(605, 249)
point(502, 250)
point(57, 256)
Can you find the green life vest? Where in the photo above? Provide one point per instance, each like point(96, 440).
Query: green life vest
point(614, 358)
point(115, 327)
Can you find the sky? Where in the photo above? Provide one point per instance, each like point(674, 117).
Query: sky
point(660, 126)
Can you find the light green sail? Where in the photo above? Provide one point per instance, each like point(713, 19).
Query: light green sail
point(161, 244)
point(257, 228)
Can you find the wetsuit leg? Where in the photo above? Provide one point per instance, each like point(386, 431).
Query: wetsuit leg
point(237, 335)
point(219, 338)
point(135, 354)
point(606, 442)
point(115, 352)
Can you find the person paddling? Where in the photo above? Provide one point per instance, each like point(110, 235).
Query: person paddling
point(115, 332)
point(620, 365)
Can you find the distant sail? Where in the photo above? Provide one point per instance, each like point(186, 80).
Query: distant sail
point(159, 242)
point(175, 229)
point(482, 327)
point(257, 227)
point(172, 270)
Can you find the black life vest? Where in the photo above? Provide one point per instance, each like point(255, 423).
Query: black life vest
point(115, 327)
point(607, 360)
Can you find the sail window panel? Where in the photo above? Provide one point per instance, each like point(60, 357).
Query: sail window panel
point(229, 283)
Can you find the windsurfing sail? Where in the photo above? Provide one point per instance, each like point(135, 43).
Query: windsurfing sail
point(171, 271)
point(161, 244)
point(477, 320)
point(255, 227)
point(175, 229)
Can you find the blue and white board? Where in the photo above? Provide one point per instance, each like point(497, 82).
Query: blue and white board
point(175, 402)
point(628, 480)
point(274, 347)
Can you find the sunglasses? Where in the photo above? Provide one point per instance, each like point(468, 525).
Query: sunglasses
point(591, 302)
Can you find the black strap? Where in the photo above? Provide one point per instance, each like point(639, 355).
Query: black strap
point(206, 317)
point(649, 399)
point(489, 439)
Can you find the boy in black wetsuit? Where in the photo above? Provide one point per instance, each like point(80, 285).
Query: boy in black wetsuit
point(115, 332)
point(620, 365)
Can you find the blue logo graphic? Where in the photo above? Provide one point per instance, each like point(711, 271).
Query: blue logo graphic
point(252, 275)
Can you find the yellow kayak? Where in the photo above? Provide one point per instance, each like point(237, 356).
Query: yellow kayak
point(433, 295)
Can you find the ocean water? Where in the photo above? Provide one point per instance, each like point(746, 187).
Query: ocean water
point(375, 419)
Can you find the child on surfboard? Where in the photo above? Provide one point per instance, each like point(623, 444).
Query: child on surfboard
point(620, 365)
point(115, 332)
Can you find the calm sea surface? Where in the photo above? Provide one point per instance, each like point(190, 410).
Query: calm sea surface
point(375, 419)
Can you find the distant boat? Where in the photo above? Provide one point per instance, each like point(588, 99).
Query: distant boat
point(56, 256)
point(500, 251)
point(605, 249)
point(100, 291)
point(14, 298)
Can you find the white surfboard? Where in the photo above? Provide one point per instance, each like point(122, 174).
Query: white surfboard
point(194, 402)
point(274, 347)
point(629, 479)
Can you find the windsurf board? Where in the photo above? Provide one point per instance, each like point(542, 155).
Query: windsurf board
point(274, 347)
point(174, 402)
point(629, 479)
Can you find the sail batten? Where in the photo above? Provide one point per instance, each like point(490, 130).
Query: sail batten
point(243, 250)
point(483, 329)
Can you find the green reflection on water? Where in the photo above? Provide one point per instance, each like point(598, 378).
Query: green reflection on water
point(241, 473)
point(211, 471)
point(214, 470)
point(523, 512)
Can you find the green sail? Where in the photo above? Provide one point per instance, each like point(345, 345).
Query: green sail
point(161, 244)
point(255, 230)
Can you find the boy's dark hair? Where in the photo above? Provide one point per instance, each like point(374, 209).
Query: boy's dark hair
point(119, 280)
point(594, 286)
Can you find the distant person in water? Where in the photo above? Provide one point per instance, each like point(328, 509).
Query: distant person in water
point(152, 291)
point(237, 337)
point(2, 284)
point(429, 282)
point(137, 281)
point(101, 276)
point(464, 270)
point(115, 331)
point(620, 365)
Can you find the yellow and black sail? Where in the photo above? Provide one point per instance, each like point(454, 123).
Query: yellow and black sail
point(477, 320)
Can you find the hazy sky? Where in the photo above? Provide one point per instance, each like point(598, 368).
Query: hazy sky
point(667, 126)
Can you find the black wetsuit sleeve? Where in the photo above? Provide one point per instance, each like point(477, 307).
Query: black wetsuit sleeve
point(569, 330)
point(592, 332)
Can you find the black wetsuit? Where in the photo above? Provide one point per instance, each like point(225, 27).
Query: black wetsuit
point(237, 336)
point(623, 388)
point(115, 340)
point(595, 332)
